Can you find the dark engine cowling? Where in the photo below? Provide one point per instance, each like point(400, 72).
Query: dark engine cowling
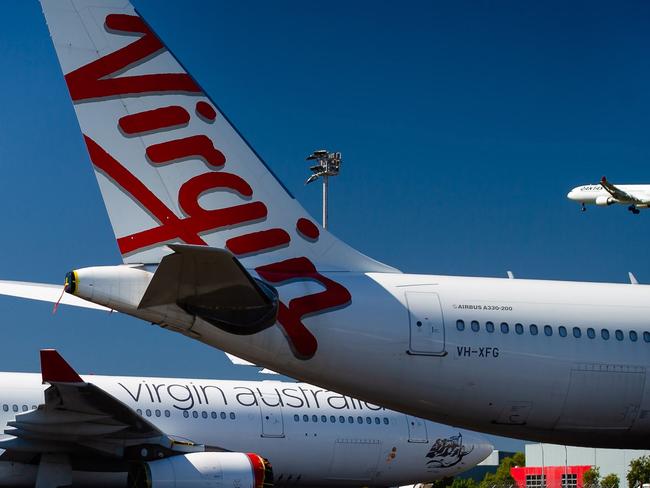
point(208, 469)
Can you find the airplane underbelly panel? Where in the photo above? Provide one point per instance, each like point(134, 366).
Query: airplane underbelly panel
point(602, 397)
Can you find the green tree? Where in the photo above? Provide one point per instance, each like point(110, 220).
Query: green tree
point(609, 481)
point(463, 483)
point(443, 483)
point(639, 472)
point(591, 477)
point(502, 475)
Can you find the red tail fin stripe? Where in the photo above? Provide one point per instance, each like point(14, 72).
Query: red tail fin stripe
point(188, 147)
point(206, 111)
point(151, 120)
point(92, 80)
point(258, 241)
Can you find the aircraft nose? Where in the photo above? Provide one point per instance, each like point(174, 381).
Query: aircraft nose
point(572, 195)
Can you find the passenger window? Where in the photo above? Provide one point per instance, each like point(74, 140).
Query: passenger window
point(186, 414)
point(646, 336)
point(232, 415)
point(296, 418)
point(204, 415)
point(377, 421)
point(195, 414)
point(562, 331)
point(533, 329)
point(305, 418)
point(519, 329)
point(619, 335)
point(25, 408)
point(341, 419)
point(15, 408)
point(314, 418)
point(548, 330)
point(223, 415)
point(386, 421)
point(138, 411)
point(475, 326)
point(157, 413)
point(323, 418)
point(577, 332)
point(591, 333)
point(633, 336)
point(368, 420)
point(504, 328)
point(167, 413)
point(332, 419)
point(360, 420)
point(351, 420)
point(604, 333)
point(489, 326)
point(5, 408)
point(460, 325)
point(213, 415)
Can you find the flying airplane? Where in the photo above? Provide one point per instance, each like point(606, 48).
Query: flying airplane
point(214, 247)
point(101, 430)
point(606, 193)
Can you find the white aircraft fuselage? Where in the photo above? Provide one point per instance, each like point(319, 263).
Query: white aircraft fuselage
point(312, 437)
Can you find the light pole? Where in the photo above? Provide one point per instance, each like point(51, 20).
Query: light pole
point(327, 164)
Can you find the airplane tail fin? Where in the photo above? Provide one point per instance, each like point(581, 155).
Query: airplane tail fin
point(170, 166)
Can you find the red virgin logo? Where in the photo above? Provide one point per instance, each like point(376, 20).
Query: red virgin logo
point(97, 80)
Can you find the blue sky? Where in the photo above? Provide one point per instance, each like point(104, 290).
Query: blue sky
point(462, 126)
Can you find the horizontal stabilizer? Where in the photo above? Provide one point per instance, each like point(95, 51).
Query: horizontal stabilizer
point(212, 284)
point(45, 293)
point(237, 361)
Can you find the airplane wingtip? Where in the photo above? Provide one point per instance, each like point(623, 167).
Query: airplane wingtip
point(55, 369)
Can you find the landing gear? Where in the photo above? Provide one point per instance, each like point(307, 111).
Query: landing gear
point(634, 210)
point(583, 208)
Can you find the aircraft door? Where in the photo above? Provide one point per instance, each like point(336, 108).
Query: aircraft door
point(417, 429)
point(271, 412)
point(427, 328)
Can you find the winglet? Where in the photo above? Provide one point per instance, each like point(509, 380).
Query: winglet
point(603, 180)
point(55, 369)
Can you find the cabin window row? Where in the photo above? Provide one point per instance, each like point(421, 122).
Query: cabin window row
point(17, 408)
point(195, 414)
point(342, 419)
point(548, 330)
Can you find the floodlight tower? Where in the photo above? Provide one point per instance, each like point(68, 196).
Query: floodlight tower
point(327, 164)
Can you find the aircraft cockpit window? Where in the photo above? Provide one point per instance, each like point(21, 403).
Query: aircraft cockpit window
point(5, 408)
point(577, 332)
point(489, 326)
point(618, 334)
point(296, 418)
point(460, 325)
point(548, 330)
point(475, 326)
point(604, 333)
point(562, 331)
point(505, 328)
point(646, 336)
point(305, 418)
point(519, 329)
point(533, 329)
point(591, 333)
point(633, 336)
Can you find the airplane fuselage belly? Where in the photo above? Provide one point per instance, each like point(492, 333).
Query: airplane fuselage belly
point(399, 344)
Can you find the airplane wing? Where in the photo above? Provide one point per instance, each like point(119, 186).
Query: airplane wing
point(619, 194)
point(45, 293)
point(83, 421)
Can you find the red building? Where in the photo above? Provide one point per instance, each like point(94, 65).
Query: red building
point(555, 476)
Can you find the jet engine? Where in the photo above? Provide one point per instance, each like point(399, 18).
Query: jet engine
point(213, 469)
point(604, 200)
